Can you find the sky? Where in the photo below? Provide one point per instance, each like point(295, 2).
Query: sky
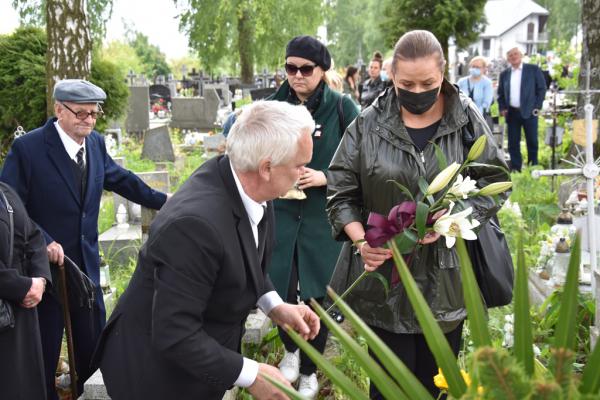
point(157, 19)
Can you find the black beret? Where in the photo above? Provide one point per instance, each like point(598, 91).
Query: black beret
point(78, 91)
point(310, 48)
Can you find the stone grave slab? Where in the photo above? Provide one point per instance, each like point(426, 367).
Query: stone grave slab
point(198, 113)
point(222, 90)
point(157, 145)
point(120, 243)
point(214, 145)
point(260, 94)
point(94, 389)
point(138, 114)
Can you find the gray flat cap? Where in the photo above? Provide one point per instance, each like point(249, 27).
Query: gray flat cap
point(78, 91)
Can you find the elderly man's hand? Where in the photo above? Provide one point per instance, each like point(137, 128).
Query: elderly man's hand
point(262, 389)
point(298, 317)
point(56, 254)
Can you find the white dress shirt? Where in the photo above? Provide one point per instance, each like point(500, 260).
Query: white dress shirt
point(269, 300)
point(71, 146)
point(515, 86)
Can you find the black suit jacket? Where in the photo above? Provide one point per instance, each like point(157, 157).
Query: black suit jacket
point(176, 330)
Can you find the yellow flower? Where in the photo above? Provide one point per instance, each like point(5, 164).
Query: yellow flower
point(440, 381)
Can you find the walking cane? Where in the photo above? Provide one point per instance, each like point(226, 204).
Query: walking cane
point(68, 329)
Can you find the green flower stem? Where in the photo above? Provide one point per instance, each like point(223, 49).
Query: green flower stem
point(347, 291)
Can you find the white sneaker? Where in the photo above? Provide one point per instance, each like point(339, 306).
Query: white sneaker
point(290, 366)
point(308, 386)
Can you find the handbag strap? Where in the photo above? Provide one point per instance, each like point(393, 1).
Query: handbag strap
point(11, 227)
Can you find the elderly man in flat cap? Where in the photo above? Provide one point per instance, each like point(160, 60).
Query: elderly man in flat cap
point(60, 171)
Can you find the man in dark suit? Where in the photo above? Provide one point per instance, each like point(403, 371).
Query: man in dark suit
point(521, 93)
point(175, 332)
point(59, 170)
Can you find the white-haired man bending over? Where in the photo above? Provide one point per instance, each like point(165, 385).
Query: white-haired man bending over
point(176, 330)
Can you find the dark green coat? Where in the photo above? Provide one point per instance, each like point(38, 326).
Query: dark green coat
point(303, 223)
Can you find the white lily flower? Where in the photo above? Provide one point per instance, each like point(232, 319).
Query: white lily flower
point(462, 187)
point(456, 225)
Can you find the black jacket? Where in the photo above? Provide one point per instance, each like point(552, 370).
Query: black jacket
point(370, 90)
point(176, 331)
point(22, 366)
point(376, 148)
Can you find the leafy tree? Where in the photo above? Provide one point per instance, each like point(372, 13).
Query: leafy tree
point(153, 61)
point(189, 61)
point(462, 19)
point(23, 84)
point(255, 32)
point(124, 57)
point(69, 49)
point(590, 22)
point(563, 19)
point(352, 30)
point(98, 13)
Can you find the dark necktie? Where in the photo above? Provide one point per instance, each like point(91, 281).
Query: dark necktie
point(80, 162)
point(262, 236)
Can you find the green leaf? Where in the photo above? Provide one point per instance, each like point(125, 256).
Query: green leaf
point(336, 376)
point(523, 338)
point(472, 295)
point(288, 391)
point(403, 189)
point(388, 388)
point(413, 388)
point(482, 165)
point(565, 332)
point(441, 157)
point(347, 291)
point(500, 375)
point(384, 281)
point(430, 199)
point(590, 381)
point(406, 241)
point(423, 185)
point(436, 341)
point(421, 218)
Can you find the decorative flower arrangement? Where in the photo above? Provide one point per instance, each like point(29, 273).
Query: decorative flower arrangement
point(424, 218)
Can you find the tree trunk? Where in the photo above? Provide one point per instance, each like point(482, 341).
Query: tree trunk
point(590, 21)
point(246, 45)
point(69, 53)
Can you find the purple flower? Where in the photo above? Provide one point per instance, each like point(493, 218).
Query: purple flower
point(382, 229)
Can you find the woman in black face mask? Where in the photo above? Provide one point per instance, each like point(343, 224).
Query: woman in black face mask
point(392, 140)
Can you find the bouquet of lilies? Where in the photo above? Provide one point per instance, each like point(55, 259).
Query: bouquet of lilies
point(424, 218)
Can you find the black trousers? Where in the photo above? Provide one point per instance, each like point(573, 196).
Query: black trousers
point(307, 366)
point(413, 351)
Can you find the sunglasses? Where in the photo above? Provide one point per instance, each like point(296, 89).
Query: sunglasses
point(82, 115)
point(305, 70)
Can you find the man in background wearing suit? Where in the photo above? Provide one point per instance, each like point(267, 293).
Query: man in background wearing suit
point(59, 170)
point(176, 331)
point(521, 93)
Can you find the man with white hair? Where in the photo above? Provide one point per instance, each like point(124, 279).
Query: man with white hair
point(521, 93)
point(176, 330)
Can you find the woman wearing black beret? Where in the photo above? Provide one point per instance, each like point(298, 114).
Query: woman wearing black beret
point(305, 253)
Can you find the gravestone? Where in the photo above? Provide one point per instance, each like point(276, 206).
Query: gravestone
point(214, 145)
point(159, 92)
point(222, 90)
point(122, 242)
point(195, 112)
point(138, 114)
point(157, 145)
point(260, 94)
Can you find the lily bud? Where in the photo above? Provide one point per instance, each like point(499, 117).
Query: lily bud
point(495, 188)
point(443, 178)
point(477, 148)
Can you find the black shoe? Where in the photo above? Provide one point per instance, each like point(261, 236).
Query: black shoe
point(337, 316)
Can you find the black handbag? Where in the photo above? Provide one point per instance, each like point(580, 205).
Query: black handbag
point(492, 264)
point(490, 255)
point(81, 289)
point(7, 316)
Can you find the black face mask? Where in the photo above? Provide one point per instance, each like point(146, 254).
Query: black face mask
point(417, 103)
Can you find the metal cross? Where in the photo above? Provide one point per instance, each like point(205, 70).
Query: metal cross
point(588, 168)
